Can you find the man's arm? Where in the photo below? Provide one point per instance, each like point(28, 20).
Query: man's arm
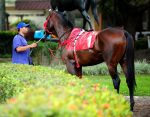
point(24, 48)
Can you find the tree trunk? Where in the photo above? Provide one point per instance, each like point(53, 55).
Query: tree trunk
point(2, 14)
point(149, 19)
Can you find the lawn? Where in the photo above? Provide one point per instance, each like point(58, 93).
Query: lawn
point(142, 89)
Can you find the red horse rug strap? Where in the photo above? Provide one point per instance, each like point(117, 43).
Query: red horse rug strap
point(79, 39)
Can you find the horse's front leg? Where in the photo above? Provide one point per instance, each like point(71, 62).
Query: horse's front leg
point(72, 68)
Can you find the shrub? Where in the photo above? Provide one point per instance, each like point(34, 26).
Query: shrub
point(32, 24)
point(49, 92)
point(141, 67)
point(67, 102)
point(6, 38)
point(141, 44)
point(7, 87)
point(42, 52)
point(44, 46)
point(15, 78)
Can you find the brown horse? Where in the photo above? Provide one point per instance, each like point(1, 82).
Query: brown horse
point(112, 46)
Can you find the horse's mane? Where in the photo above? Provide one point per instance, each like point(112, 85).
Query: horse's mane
point(65, 21)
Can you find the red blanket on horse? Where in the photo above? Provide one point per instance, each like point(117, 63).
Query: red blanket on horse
point(79, 39)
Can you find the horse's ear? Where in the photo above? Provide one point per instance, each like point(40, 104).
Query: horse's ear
point(50, 12)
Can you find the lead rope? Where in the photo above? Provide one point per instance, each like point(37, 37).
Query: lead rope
point(59, 45)
point(37, 43)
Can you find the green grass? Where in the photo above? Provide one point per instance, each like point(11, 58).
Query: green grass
point(142, 89)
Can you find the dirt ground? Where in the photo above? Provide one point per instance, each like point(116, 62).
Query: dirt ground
point(142, 107)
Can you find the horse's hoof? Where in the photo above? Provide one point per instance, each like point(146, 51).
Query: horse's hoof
point(132, 107)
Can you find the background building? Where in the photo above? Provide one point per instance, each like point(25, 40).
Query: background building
point(18, 10)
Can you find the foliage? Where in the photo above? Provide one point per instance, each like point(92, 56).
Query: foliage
point(32, 24)
point(141, 67)
point(43, 50)
point(44, 45)
point(43, 91)
point(124, 13)
point(141, 44)
point(5, 56)
point(7, 87)
point(136, 2)
point(6, 34)
point(66, 102)
point(6, 38)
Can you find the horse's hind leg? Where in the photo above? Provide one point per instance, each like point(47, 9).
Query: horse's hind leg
point(124, 68)
point(87, 18)
point(87, 6)
point(72, 69)
point(84, 23)
point(114, 75)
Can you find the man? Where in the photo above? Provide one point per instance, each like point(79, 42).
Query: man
point(21, 50)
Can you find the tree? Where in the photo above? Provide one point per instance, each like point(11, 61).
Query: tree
point(126, 13)
point(2, 14)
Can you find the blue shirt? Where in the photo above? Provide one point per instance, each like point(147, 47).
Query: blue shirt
point(20, 57)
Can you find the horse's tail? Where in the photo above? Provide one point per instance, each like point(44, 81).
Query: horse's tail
point(94, 10)
point(130, 62)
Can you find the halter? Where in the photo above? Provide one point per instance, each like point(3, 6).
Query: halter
point(60, 44)
point(45, 25)
point(46, 29)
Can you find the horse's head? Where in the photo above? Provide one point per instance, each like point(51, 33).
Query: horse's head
point(48, 24)
point(56, 21)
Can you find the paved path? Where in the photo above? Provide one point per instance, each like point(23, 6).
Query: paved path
point(142, 106)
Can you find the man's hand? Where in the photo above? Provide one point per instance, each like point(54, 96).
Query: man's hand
point(33, 45)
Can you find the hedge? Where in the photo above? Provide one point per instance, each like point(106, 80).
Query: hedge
point(141, 44)
point(34, 91)
point(141, 67)
point(6, 38)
